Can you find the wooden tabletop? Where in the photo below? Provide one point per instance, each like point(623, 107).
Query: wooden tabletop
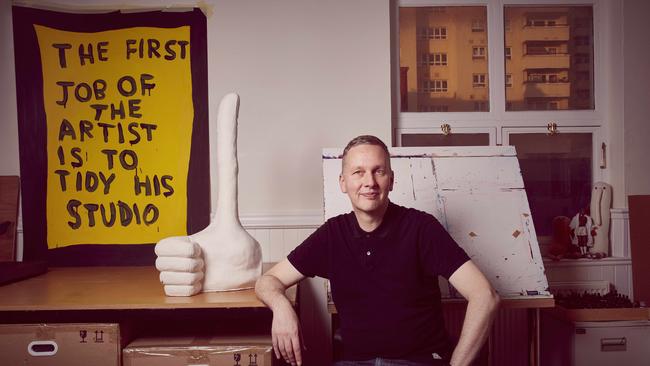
point(112, 288)
point(528, 302)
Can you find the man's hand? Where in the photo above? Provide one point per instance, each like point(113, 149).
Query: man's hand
point(285, 329)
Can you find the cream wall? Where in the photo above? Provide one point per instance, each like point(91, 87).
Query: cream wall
point(310, 73)
point(637, 96)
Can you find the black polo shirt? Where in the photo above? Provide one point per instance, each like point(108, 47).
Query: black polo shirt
point(385, 282)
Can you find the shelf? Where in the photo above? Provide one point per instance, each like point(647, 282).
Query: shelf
point(614, 314)
point(609, 261)
point(112, 288)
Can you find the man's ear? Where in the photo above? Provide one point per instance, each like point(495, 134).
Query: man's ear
point(342, 183)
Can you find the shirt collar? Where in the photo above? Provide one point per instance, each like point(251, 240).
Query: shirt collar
point(380, 232)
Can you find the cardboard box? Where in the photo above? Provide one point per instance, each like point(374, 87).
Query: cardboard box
point(60, 344)
point(201, 351)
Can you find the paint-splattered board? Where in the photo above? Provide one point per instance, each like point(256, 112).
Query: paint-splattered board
point(478, 194)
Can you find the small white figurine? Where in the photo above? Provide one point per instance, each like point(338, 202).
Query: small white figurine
point(601, 202)
point(582, 234)
point(223, 256)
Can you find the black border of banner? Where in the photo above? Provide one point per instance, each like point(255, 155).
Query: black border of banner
point(32, 130)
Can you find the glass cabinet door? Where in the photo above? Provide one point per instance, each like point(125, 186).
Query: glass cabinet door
point(453, 137)
point(558, 171)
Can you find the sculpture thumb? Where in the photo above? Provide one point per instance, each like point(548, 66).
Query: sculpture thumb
point(233, 258)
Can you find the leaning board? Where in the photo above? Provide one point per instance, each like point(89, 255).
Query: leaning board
point(477, 194)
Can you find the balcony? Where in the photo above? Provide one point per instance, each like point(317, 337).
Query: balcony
point(549, 33)
point(546, 61)
point(554, 90)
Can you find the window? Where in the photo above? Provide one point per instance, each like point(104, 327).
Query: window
point(437, 108)
point(432, 33)
point(441, 46)
point(440, 59)
point(548, 67)
point(435, 59)
point(434, 86)
point(478, 52)
point(542, 22)
point(478, 25)
point(478, 80)
point(480, 106)
point(550, 55)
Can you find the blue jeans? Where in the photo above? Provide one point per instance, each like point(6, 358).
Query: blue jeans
point(385, 362)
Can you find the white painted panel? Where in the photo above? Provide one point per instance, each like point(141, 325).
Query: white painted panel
point(478, 172)
point(496, 230)
point(440, 151)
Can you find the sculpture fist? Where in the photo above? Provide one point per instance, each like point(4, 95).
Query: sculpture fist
point(223, 256)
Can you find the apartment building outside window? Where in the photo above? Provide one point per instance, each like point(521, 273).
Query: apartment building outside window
point(478, 52)
point(479, 80)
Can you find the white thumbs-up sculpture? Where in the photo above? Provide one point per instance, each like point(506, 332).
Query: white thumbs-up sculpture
point(223, 256)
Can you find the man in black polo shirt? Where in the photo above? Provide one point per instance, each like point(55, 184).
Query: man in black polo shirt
point(383, 263)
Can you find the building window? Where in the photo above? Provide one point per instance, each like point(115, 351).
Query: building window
point(436, 59)
point(508, 80)
point(437, 108)
point(541, 22)
point(478, 52)
point(478, 25)
point(434, 86)
point(440, 59)
point(479, 80)
point(481, 106)
point(432, 33)
point(508, 53)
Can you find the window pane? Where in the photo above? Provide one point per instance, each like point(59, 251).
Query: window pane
point(549, 53)
point(437, 139)
point(443, 59)
point(557, 174)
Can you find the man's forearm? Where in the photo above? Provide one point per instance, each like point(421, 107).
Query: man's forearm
point(480, 313)
point(271, 292)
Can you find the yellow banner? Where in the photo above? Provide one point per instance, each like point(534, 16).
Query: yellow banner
point(119, 130)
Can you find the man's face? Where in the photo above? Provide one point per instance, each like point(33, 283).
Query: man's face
point(367, 178)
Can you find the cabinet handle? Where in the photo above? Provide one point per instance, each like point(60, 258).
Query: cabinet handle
point(613, 344)
point(42, 348)
point(552, 128)
point(446, 129)
point(603, 156)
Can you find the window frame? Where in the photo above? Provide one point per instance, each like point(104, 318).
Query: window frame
point(497, 114)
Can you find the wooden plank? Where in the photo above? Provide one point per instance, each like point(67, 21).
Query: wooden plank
point(640, 245)
point(9, 193)
point(112, 288)
point(588, 315)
